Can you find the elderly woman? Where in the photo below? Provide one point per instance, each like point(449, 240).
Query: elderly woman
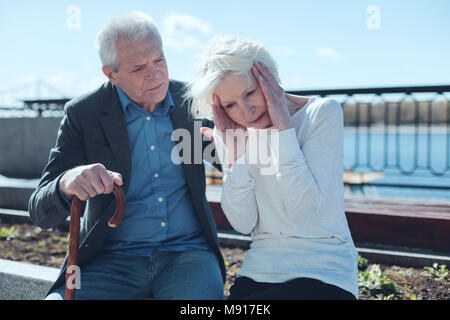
point(302, 247)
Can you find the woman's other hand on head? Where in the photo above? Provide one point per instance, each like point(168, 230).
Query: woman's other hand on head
point(274, 95)
point(221, 120)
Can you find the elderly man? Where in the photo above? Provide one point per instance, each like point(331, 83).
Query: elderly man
point(166, 247)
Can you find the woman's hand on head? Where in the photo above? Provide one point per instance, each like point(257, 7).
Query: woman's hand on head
point(222, 121)
point(227, 128)
point(277, 106)
point(230, 132)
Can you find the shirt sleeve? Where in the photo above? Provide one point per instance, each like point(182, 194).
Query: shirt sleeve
point(238, 191)
point(68, 203)
point(307, 174)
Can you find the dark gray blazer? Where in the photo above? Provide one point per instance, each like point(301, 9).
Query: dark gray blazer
point(93, 130)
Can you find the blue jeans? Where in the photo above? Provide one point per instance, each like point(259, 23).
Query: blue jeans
point(163, 275)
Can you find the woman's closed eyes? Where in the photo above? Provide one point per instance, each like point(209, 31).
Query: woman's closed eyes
point(248, 94)
point(138, 68)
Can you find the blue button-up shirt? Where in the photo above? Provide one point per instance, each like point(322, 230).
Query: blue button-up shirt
point(159, 213)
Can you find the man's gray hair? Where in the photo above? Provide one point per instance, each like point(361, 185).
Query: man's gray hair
point(133, 25)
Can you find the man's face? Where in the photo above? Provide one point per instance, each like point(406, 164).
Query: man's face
point(142, 73)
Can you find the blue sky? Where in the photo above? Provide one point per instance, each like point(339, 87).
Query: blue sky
point(317, 44)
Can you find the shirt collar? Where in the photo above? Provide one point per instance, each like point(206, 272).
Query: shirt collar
point(164, 107)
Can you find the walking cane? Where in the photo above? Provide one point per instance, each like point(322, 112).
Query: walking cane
point(77, 208)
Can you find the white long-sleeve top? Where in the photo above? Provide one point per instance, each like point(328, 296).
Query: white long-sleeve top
point(291, 200)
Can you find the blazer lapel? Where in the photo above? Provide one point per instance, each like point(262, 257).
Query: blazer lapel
point(181, 120)
point(194, 172)
point(179, 116)
point(114, 126)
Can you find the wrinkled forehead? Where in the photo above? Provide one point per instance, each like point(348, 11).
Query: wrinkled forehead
point(236, 79)
point(231, 84)
point(132, 49)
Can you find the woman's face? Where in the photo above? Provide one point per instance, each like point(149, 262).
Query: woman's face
point(243, 101)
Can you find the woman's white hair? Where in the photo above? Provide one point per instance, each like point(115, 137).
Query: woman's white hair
point(223, 55)
point(133, 25)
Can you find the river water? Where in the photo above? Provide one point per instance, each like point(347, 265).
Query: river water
point(406, 157)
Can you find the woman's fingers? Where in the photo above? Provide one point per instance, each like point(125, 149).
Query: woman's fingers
point(217, 113)
point(224, 121)
point(218, 119)
point(216, 100)
point(259, 69)
point(267, 75)
point(263, 83)
point(271, 89)
point(274, 95)
point(207, 132)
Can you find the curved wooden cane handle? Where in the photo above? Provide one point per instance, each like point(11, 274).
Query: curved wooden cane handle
point(76, 210)
point(117, 217)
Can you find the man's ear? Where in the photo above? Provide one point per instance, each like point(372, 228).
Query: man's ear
point(110, 74)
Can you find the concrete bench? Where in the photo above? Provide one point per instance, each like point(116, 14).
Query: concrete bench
point(15, 192)
point(24, 281)
point(402, 225)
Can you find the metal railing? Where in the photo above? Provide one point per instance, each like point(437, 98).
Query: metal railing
point(401, 132)
point(40, 106)
point(404, 129)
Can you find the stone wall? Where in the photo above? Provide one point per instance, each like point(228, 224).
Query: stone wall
point(25, 145)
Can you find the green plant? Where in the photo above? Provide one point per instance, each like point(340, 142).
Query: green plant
point(362, 263)
point(372, 281)
point(383, 297)
point(411, 296)
point(8, 233)
point(438, 272)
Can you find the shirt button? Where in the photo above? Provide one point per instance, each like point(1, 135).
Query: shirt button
point(163, 224)
point(156, 175)
point(148, 118)
point(152, 148)
point(160, 199)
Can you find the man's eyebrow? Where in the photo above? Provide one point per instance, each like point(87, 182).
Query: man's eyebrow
point(137, 65)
